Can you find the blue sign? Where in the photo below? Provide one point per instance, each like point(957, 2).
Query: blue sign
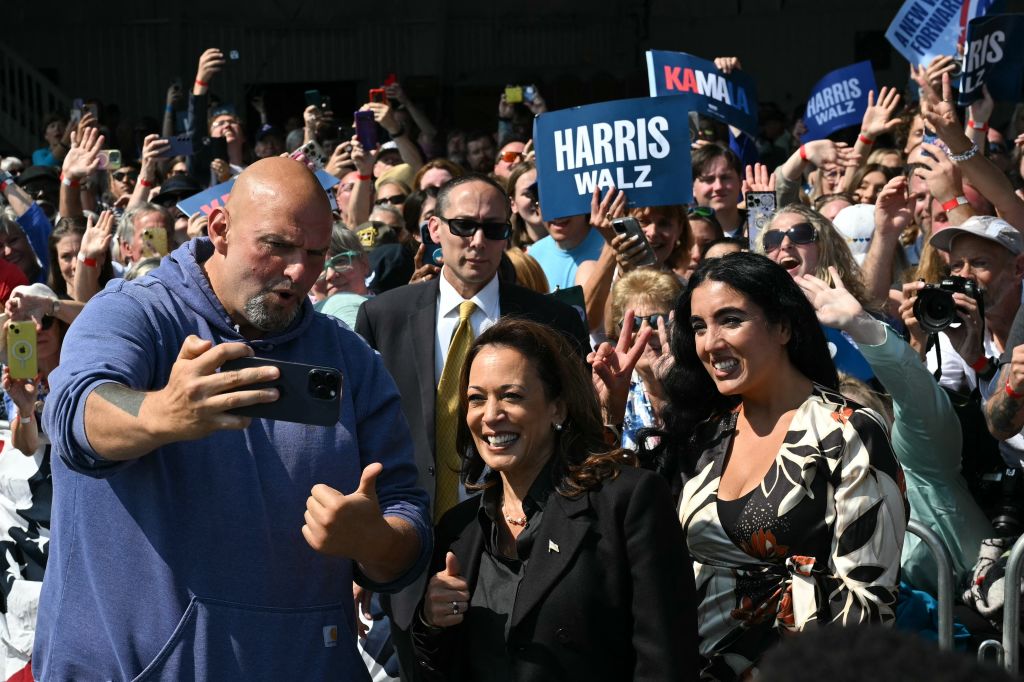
point(641, 146)
point(730, 98)
point(838, 100)
point(994, 56)
point(925, 29)
point(217, 196)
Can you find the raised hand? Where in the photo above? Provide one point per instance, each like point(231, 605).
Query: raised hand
point(342, 525)
point(82, 158)
point(758, 179)
point(612, 368)
point(423, 272)
point(879, 116)
point(447, 598)
point(603, 211)
point(894, 210)
point(210, 64)
point(96, 240)
point(826, 152)
point(943, 178)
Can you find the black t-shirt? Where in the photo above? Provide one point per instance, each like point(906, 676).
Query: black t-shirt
point(1016, 336)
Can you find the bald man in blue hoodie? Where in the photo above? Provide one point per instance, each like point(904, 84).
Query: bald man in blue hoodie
point(189, 543)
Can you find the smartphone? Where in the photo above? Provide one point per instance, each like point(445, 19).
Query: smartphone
point(233, 55)
point(366, 130)
point(390, 80)
point(313, 98)
point(378, 95)
point(154, 243)
point(760, 209)
point(180, 145)
point(630, 227)
point(109, 159)
point(21, 350)
point(311, 154)
point(529, 92)
point(218, 148)
point(309, 394)
point(91, 109)
point(931, 138)
point(431, 249)
point(76, 111)
point(514, 94)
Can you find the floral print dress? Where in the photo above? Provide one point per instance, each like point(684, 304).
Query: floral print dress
point(817, 542)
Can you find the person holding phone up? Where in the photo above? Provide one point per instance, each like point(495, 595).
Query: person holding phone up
point(231, 531)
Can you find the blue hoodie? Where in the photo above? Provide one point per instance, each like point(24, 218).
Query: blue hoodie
point(189, 562)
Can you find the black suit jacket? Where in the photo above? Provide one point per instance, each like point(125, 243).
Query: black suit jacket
point(608, 592)
point(401, 325)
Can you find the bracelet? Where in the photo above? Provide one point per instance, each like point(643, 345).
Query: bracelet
point(971, 124)
point(202, 84)
point(146, 183)
point(364, 177)
point(4, 182)
point(864, 139)
point(169, 109)
point(87, 262)
point(1012, 393)
point(803, 153)
point(966, 156)
point(954, 203)
point(69, 182)
point(981, 363)
point(28, 419)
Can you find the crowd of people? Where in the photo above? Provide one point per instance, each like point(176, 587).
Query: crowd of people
point(562, 450)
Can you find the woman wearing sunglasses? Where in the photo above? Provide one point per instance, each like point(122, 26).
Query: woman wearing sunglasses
point(793, 503)
point(804, 242)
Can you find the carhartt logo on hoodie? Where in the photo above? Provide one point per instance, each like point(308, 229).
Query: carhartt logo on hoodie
point(330, 635)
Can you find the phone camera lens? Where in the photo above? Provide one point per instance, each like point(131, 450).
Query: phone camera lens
point(323, 385)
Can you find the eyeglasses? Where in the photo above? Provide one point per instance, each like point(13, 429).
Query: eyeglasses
point(801, 233)
point(125, 177)
point(465, 227)
point(223, 123)
point(394, 200)
point(651, 319)
point(342, 262)
point(510, 157)
point(705, 212)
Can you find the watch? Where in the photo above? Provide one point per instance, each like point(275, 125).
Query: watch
point(55, 308)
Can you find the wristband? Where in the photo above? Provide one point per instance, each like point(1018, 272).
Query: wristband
point(69, 182)
point(1012, 393)
point(864, 139)
point(971, 124)
point(981, 363)
point(169, 109)
point(803, 153)
point(146, 183)
point(202, 84)
point(5, 180)
point(87, 262)
point(954, 203)
point(364, 177)
point(28, 419)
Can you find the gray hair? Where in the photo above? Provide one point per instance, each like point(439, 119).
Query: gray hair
point(344, 239)
point(126, 225)
point(388, 208)
point(9, 222)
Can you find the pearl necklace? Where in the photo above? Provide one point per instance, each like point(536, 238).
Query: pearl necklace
point(515, 520)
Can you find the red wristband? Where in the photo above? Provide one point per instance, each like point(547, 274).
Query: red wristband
point(1012, 393)
point(955, 202)
point(4, 184)
point(983, 127)
point(803, 153)
point(146, 183)
point(865, 139)
point(364, 177)
point(70, 182)
point(980, 364)
point(87, 262)
point(202, 83)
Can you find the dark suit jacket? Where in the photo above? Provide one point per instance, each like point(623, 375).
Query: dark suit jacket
point(616, 601)
point(401, 325)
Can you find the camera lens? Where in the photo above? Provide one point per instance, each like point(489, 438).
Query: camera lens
point(323, 385)
point(934, 310)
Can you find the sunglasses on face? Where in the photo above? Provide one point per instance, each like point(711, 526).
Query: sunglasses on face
point(47, 322)
point(705, 212)
point(651, 320)
point(510, 157)
point(341, 262)
point(465, 227)
point(801, 233)
point(396, 200)
point(125, 177)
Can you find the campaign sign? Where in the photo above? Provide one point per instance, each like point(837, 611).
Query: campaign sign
point(994, 56)
point(838, 100)
point(925, 29)
point(731, 98)
point(641, 146)
point(217, 196)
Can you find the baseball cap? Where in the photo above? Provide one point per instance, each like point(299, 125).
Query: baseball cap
point(176, 188)
point(267, 130)
point(984, 226)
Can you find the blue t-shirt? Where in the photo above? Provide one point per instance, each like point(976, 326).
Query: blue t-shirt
point(560, 265)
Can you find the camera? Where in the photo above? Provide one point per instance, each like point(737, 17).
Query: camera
point(1008, 512)
point(934, 307)
point(323, 385)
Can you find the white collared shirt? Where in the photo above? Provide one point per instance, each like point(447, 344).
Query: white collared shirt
point(487, 313)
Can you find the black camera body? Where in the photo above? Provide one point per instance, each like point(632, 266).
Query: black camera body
point(934, 307)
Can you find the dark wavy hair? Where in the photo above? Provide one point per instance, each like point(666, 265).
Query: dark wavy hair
point(582, 459)
point(693, 396)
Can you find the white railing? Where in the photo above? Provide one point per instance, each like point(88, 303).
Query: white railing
point(26, 96)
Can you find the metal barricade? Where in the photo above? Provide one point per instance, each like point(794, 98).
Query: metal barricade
point(1011, 607)
point(945, 580)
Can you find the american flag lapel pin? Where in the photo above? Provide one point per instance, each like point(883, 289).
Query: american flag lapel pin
point(552, 547)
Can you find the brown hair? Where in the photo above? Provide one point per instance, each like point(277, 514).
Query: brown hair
point(520, 236)
point(529, 274)
point(582, 459)
point(443, 164)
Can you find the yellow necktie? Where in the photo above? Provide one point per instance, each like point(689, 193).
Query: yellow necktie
point(446, 491)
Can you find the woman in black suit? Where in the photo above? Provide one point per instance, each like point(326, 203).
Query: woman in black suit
point(571, 563)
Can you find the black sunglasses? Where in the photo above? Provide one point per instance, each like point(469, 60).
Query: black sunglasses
point(47, 322)
point(396, 200)
point(651, 320)
point(122, 177)
point(801, 233)
point(465, 227)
